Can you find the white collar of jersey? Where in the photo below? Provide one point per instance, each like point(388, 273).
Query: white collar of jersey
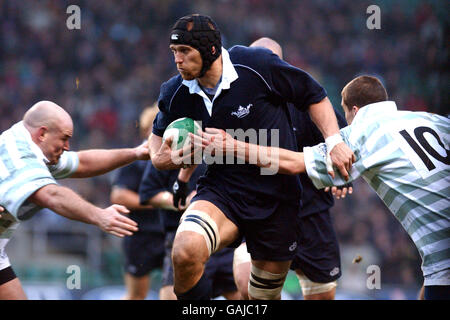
point(375, 110)
point(34, 147)
point(229, 74)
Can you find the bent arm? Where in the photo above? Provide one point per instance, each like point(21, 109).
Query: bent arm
point(160, 160)
point(324, 117)
point(154, 144)
point(162, 156)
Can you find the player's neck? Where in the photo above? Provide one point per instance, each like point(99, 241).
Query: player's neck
point(212, 76)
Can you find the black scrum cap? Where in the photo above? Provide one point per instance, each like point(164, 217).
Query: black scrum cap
point(201, 33)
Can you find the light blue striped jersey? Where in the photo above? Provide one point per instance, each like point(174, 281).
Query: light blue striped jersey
point(23, 170)
point(405, 158)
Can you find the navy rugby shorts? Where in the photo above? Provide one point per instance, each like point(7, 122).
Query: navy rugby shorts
point(318, 253)
point(273, 238)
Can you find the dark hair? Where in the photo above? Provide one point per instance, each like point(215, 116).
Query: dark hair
point(362, 91)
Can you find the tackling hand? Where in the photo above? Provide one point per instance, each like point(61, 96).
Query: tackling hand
point(340, 192)
point(342, 157)
point(142, 151)
point(112, 221)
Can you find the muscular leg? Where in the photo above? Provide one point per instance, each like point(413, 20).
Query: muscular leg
point(137, 287)
point(314, 290)
point(190, 251)
point(241, 276)
point(12, 290)
point(241, 273)
point(241, 269)
point(268, 283)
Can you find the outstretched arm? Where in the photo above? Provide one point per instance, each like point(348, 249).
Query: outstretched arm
point(68, 204)
point(99, 161)
point(283, 160)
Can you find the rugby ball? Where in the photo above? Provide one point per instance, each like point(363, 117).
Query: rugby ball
point(179, 130)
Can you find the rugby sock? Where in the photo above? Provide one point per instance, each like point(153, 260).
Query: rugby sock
point(201, 291)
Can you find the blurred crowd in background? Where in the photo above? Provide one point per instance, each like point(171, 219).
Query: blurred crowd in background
point(105, 73)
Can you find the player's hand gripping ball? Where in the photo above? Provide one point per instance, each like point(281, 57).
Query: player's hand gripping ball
point(179, 130)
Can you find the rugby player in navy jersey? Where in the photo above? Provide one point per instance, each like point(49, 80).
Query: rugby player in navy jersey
point(317, 262)
point(144, 250)
point(243, 88)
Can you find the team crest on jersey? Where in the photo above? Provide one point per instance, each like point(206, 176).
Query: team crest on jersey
point(242, 112)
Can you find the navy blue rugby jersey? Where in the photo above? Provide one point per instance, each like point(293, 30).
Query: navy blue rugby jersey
point(307, 134)
point(129, 177)
point(155, 181)
point(255, 87)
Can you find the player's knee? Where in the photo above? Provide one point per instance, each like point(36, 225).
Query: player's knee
point(316, 291)
point(185, 250)
point(200, 225)
point(264, 285)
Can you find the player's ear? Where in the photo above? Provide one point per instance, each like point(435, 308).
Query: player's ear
point(355, 110)
point(42, 132)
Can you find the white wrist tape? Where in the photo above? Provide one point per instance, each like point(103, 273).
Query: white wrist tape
point(332, 141)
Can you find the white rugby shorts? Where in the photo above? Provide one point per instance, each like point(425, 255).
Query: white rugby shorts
point(4, 261)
